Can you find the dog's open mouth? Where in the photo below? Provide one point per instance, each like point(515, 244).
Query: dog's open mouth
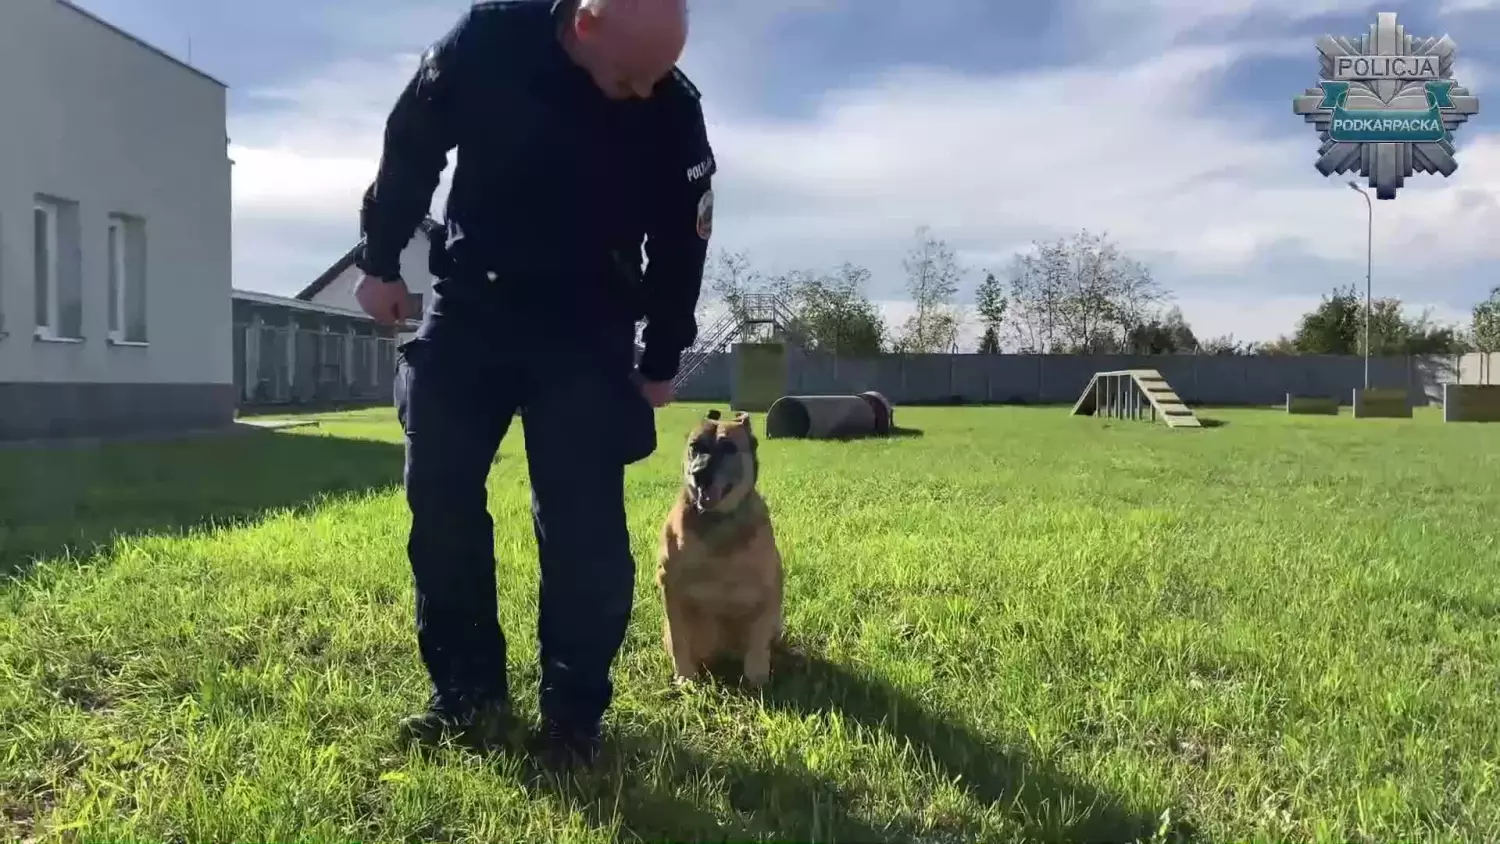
point(708, 496)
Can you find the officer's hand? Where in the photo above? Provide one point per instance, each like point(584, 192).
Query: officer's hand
point(387, 302)
point(658, 393)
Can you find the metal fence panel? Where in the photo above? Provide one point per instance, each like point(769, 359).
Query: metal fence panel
point(289, 365)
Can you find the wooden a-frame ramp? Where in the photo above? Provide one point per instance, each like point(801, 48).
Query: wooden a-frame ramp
point(1130, 394)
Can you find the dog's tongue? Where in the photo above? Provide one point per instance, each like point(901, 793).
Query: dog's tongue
point(702, 497)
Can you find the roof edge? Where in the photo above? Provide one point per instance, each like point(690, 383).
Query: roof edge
point(426, 227)
point(260, 297)
point(141, 42)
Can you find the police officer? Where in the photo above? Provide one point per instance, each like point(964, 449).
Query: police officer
point(579, 148)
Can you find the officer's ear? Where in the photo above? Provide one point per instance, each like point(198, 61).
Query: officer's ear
point(586, 22)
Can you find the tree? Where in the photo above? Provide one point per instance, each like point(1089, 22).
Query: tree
point(1393, 333)
point(1105, 295)
point(932, 278)
point(1081, 294)
point(832, 312)
point(989, 342)
point(729, 278)
point(991, 304)
point(1332, 328)
point(1484, 331)
point(1227, 346)
point(1168, 334)
point(1035, 296)
point(1183, 339)
point(1282, 346)
point(1337, 327)
point(1427, 338)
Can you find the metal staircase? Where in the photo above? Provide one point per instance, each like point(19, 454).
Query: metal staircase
point(754, 310)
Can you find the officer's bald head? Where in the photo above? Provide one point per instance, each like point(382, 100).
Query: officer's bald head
point(627, 46)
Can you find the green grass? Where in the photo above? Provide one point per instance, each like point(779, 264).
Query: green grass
point(1019, 626)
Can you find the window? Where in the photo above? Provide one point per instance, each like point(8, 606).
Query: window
point(116, 279)
point(3, 333)
point(57, 262)
point(44, 247)
point(414, 305)
point(126, 257)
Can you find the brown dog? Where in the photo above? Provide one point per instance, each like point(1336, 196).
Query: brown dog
point(718, 568)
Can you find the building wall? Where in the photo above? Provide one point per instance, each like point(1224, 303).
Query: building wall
point(340, 292)
point(111, 126)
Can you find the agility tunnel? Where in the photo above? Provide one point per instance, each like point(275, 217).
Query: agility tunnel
point(830, 417)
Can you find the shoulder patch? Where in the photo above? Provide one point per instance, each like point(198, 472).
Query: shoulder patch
point(705, 221)
point(685, 84)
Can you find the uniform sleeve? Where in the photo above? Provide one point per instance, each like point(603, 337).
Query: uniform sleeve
point(677, 246)
point(418, 135)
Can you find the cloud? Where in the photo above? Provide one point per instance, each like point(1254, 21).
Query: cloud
point(983, 158)
point(303, 155)
point(1154, 150)
point(279, 181)
point(1450, 7)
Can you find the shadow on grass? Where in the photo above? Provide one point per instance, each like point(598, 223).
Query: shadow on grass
point(895, 434)
point(71, 500)
point(994, 775)
point(767, 803)
point(791, 803)
point(1204, 422)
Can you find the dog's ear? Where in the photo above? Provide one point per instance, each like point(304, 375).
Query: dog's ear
point(713, 416)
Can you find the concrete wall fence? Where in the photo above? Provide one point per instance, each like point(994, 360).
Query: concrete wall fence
point(290, 360)
point(1059, 379)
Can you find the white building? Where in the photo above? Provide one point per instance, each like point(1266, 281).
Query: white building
point(335, 287)
point(114, 232)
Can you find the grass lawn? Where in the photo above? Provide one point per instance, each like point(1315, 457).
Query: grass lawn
point(1018, 626)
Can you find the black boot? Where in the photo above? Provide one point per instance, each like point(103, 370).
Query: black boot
point(563, 747)
point(482, 725)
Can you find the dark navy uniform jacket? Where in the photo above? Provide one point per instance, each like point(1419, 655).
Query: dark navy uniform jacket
point(556, 187)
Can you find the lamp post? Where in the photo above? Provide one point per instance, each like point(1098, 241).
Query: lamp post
point(1369, 265)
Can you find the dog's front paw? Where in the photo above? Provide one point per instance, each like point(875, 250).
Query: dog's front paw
point(757, 671)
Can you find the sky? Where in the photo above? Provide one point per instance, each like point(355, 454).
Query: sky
point(840, 126)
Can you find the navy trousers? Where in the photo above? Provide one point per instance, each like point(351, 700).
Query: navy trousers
point(458, 389)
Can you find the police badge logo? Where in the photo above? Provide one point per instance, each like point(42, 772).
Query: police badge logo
point(1386, 105)
point(706, 215)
